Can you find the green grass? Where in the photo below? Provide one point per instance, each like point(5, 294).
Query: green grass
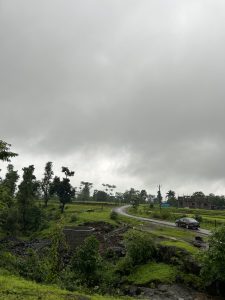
point(181, 245)
point(12, 288)
point(84, 213)
point(177, 233)
point(153, 272)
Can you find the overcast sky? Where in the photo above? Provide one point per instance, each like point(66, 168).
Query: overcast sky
point(129, 92)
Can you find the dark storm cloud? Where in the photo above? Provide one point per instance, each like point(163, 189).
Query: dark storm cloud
point(131, 89)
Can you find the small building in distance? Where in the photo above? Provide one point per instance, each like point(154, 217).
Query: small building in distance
point(195, 202)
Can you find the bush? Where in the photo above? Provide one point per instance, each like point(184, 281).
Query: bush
point(9, 220)
point(140, 247)
point(8, 262)
point(213, 260)
point(114, 215)
point(86, 262)
point(73, 218)
point(125, 266)
point(156, 215)
point(198, 218)
point(165, 215)
point(182, 216)
point(33, 218)
point(109, 278)
point(57, 215)
point(33, 267)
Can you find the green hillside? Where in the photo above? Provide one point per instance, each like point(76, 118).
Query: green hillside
point(13, 287)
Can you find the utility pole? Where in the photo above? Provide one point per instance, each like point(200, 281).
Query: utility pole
point(159, 197)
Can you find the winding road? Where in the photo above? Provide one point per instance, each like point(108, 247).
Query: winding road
point(122, 211)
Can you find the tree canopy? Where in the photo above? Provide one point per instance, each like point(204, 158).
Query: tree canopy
point(5, 153)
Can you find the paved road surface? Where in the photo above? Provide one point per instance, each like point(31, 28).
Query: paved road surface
point(122, 211)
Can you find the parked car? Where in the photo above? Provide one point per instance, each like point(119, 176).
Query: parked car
point(189, 223)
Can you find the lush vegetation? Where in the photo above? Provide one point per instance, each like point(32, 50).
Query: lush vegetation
point(14, 287)
point(153, 272)
point(123, 252)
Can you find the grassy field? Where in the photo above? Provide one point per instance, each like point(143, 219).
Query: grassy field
point(13, 287)
point(75, 214)
point(210, 218)
point(153, 272)
point(78, 213)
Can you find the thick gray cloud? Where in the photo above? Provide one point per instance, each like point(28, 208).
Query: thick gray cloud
point(126, 92)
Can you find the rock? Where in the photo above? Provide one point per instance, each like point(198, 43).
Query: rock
point(163, 288)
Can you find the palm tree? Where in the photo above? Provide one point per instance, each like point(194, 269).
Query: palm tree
point(170, 194)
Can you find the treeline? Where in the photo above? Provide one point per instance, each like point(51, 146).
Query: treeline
point(215, 201)
point(23, 203)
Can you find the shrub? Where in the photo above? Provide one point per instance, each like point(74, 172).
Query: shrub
point(140, 247)
point(57, 215)
point(213, 260)
point(9, 220)
point(114, 215)
point(8, 261)
point(125, 266)
point(182, 216)
point(165, 215)
point(73, 218)
point(109, 278)
point(86, 262)
point(198, 218)
point(33, 219)
point(33, 267)
point(156, 215)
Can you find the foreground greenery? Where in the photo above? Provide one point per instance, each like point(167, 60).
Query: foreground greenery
point(13, 287)
point(153, 272)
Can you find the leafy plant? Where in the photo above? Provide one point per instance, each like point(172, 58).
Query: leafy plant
point(140, 247)
point(213, 260)
point(86, 261)
point(114, 215)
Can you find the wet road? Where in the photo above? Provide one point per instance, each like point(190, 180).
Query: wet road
point(122, 211)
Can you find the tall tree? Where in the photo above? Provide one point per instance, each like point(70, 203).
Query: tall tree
point(143, 196)
point(46, 182)
point(109, 189)
point(63, 189)
point(11, 179)
point(67, 172)
point(199, 195)
point(85, 190)
point(171, 199)
point(8, 212)
point(133, 197)
point(100, 196)
point(26, 195)
point(5, 153)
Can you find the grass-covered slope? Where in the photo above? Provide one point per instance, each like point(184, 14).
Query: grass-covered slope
point(153, 272)
point(13, 287)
